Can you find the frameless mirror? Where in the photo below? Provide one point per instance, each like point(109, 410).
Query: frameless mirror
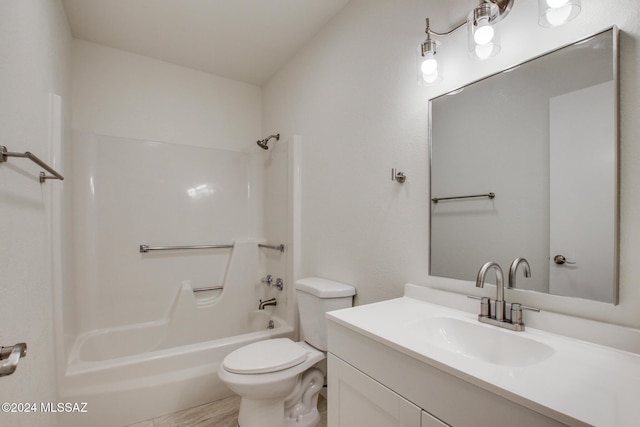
point(536, 148)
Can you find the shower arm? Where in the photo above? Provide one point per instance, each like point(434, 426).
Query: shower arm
point(263, 142)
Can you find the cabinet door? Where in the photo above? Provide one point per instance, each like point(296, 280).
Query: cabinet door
point(357, 400)
point(429, 420)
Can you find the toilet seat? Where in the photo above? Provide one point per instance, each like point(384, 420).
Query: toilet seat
point(265, 356)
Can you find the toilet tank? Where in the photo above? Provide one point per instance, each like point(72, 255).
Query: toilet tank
point(315, 297)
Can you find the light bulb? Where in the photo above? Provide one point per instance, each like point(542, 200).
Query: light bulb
point(484, 51)
point(429, 65)
point(483, 34)
point(556, 3)
point(558, 16)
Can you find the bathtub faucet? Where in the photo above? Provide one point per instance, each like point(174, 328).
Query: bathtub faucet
point(263, 304)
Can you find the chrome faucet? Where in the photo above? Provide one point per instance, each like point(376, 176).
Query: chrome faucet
point(514, 269)
point(514, 322)
point(499, 286)
point(263, 304)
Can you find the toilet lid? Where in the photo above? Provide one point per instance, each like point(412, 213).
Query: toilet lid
point(265, 356)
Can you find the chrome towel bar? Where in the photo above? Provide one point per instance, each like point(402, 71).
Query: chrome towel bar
point(280, 247)
point(489, 195)
point(43, 177)
point(147, 248)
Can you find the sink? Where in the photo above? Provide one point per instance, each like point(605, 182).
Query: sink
point(482, 342)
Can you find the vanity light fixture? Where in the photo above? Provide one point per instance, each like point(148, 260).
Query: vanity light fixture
point(483, 33)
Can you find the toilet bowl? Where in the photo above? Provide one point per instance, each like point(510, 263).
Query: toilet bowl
point(277, 379)
point(265, 374)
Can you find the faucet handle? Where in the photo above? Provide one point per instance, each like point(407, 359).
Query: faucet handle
point(516, 312)
point(485, 305)
point(267, 280)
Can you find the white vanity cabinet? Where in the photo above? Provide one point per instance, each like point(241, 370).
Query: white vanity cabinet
point(356, 399)
point(373, 384)
point(425, 360)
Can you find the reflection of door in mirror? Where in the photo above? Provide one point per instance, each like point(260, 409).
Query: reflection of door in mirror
point(582, 191)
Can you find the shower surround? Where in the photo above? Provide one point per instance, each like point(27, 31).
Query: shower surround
point(139, 338)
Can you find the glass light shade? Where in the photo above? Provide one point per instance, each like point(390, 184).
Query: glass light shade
point(429, 69)
point(554, 13)
point(483, 38)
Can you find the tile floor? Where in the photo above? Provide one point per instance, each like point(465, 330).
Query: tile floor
point(222, 413)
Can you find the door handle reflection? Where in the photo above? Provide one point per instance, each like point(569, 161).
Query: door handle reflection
point(560, 259)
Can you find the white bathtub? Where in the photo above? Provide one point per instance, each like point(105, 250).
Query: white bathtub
point(131, 388)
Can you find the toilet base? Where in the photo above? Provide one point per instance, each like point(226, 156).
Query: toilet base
point(261, 412)
point(310, 419)
point(269, 413)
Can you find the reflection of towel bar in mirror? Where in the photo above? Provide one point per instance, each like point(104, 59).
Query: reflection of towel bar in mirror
point(147, 248)
point(27, 155)
point(279, 247)
point(489, 195)
point(212, 288)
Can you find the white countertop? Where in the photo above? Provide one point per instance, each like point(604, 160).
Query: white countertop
point(590, 383)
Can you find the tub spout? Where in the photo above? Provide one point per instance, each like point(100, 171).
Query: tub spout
point(265, 303)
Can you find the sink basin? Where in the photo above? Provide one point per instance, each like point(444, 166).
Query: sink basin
point(481, 342)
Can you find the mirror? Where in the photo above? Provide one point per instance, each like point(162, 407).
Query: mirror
point(542, 138)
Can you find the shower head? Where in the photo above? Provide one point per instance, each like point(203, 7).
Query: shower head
point(263, 142)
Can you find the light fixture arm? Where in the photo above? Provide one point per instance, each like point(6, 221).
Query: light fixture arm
point(503, 8)
point(429, 31)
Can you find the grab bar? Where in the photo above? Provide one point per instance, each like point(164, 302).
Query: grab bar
point(147, 248)
point(212, 288)
point(280, 247)
point(54, 175)
point(489, 195)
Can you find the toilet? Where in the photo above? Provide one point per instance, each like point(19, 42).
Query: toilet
point(278, 379)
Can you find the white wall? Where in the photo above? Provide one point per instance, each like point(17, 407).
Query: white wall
point(35, 45)
point(117, 93)
point(352, 95)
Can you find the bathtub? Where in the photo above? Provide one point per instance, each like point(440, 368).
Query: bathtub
point(121, 389)
point(132, 372)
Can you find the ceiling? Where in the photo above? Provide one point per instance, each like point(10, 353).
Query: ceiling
point(244, 40)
